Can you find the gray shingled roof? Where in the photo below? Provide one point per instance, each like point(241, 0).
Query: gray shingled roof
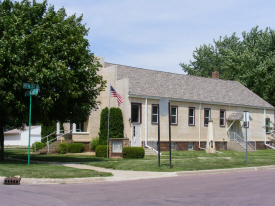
point(144, 82)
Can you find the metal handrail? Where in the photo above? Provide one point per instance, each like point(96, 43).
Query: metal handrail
point(48, 136)
point(61, 135)
point(152, 144)
point(235, 137)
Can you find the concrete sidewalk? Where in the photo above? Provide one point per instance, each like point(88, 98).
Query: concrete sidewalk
point(122, 175)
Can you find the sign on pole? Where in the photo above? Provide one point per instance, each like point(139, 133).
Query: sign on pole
point(246, 116)
point(30, 86)
point(32, 90)
point(246, 120)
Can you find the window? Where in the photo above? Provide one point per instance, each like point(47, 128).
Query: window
point(207, 116)
point(267, 125)
point(136, 112)
point(155, 114)
point(80, 127)
point(190, 145)
point(222, 118)
point(222, 146)
point(174, 115)
point(191, 118)
point(174, 146)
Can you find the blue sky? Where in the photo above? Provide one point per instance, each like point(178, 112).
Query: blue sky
point(160, 34)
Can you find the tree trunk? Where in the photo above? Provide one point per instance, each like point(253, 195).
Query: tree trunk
point(1, 141)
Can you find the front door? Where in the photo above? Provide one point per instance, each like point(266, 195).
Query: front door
point(136, 135)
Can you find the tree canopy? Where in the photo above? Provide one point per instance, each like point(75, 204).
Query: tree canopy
point(250, 60)
point(39, 45)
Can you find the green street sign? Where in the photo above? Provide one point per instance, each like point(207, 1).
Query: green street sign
point(31, 92)
point(30, 86)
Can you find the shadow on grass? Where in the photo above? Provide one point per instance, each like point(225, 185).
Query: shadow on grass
point(23, 154)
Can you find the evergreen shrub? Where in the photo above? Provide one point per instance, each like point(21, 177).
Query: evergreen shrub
point(76, 148)
point(115, 124)
point(38, 145)
point(101, 151)
point(62, 148)
point(103, 128)
point(94, 143)
point(133, 152)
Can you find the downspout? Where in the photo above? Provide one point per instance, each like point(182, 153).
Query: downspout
point(264, 127)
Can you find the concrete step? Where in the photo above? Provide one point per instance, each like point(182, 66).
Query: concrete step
point(53, 148)
point(149, 151)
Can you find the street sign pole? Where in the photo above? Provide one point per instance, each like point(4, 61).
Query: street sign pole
point(30, 114)
point(32, 89)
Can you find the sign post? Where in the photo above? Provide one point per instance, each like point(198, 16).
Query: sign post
point(163, 111)
point(246, 120)
point(32, 90)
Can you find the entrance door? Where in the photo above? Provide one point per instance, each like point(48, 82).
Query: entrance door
point(136, 135)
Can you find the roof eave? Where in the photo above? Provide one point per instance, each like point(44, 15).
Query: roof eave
point(202, 102)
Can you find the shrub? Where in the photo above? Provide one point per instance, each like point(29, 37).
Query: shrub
point(94, 143)
point(38, 145)
point(115, 126)
point(103, 128)
point(101, 151)
point(116, 123)
point(133, 152)
point(76, 148)
point(62, 148)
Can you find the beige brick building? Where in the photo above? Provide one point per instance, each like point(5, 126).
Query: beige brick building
point(194, 101)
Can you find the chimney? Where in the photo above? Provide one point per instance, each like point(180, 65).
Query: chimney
point(215, 75)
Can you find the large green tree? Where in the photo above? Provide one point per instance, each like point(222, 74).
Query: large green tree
point(249, 60)
point(39, 45)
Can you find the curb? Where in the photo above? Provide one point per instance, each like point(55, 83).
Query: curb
point(220, 171)
point(34, 181)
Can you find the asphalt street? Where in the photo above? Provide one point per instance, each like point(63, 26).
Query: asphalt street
point(241, 188)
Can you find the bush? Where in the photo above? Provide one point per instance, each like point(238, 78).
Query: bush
point(133, 152)
point(62, 148)
point(38, 145)
point(76, 148)
point(94, 143)
point(116, 123)
point(103, 128)
point(115, 126)
point(101, 151)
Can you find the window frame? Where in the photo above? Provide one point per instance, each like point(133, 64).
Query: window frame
point(140, 112)
point(172, 106)
point(190, 116)
point(154, 105)
point(224, 118)
point(267, 131)
point(191, 143)
point(206, 125)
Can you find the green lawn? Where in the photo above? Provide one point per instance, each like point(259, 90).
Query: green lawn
point(23, 154)
point(181, 161)
point(193, 160)
point(10, 168)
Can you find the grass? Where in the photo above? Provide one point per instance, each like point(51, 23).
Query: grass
point(23, 154)
point(193, 160)
point(10, 168)
point(181, 160)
